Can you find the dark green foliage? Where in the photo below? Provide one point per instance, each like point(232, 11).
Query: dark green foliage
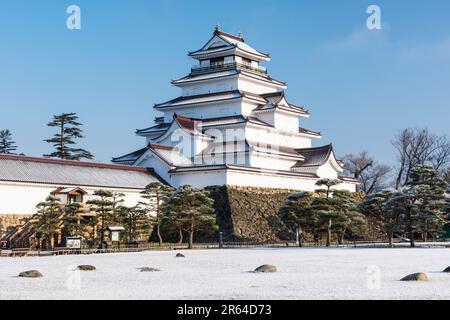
point(135, 220)
point(7, 144)
point(375, 208)
point(72, 220)
point(420, 205)
point(103, 206)
point(64, 140)
point(156, 194)
point(48, 219)
point(191, 210)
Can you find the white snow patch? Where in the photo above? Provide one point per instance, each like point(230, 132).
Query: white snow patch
point(224, 274)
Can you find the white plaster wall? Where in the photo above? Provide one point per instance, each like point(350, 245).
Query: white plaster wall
point(254, 86)
point(22, 198)
point(286, 122)
point(274, 162)
point(199, 179)
point(206, 111)
point(282, 138)
point(327, 171)
point(211, 86)
point(161, 168)
point(238, 178)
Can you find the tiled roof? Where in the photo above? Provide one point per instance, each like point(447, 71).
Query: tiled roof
point(131, 157)
point(72, 173)
point(232, 42)
point(314, 157)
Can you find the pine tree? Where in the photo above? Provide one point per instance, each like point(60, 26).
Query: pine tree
point(421, 203)
point(324, 205)
point(156, 195)
point(7, 144)
point(297, 215)
point(72, 219)
point(346, 218)
point(64, 140)
point(375, 207)
point(48, 219)
point(135, 220)
point(103, 206)
point(192, 209)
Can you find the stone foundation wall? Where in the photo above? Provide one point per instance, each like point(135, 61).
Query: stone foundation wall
point(250, 214)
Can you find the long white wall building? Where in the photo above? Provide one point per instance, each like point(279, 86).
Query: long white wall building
point(27, 181)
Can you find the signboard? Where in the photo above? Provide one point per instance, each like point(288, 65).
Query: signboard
point(73, 243)
point(4, 245)
point(115, 235)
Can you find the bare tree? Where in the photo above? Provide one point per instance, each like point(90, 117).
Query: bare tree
point(417, 147)
point(372, 175)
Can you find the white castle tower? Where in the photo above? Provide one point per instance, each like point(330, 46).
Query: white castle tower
point(232, 125)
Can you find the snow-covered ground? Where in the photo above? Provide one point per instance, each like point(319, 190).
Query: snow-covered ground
point(224, 274)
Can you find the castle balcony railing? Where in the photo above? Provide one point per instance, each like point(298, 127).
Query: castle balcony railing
point(227, 66)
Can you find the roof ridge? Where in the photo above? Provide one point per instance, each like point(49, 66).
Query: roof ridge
point(226, 34)
point(71, 163)
point(330, 145)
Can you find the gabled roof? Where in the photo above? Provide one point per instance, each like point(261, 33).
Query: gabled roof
point(316, 157)
point(222, 42)
point(68, 191)
point(309, 132)
point(131, 157)
point(278, 101)
point(208, 98)
point(72, 173)
point(158, 128)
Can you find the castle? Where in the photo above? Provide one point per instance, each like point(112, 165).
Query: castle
point(233, 125)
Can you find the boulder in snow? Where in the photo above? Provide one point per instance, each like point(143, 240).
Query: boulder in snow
point(267, 268)
point(180, 255)
point(86, 268)
point(30, 274)
point(416, 277)
point(147, 269)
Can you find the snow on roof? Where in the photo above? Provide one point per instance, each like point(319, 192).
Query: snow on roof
point(222, 41)
point(202, 98)
point(171, 155)
point(76, 173)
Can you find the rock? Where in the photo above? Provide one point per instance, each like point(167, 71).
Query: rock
point(447, 270)
point(147, 269)
point(266, 268)
point(416, 277)
point(86, 268)
point(30, 274)
point(180, 255)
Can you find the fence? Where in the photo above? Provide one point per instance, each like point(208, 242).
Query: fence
point(226, 245)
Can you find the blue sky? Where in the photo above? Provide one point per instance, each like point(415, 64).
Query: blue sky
point(361, 86)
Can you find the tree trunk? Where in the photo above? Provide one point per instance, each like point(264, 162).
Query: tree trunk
point(191, 239)
point(180, 236)
point(299, 237)
point(411, 239)
point(390, 239)
point(102, 233)
point(158, 232)
point(52, 241)
point(340, 238)
point(329, 233)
